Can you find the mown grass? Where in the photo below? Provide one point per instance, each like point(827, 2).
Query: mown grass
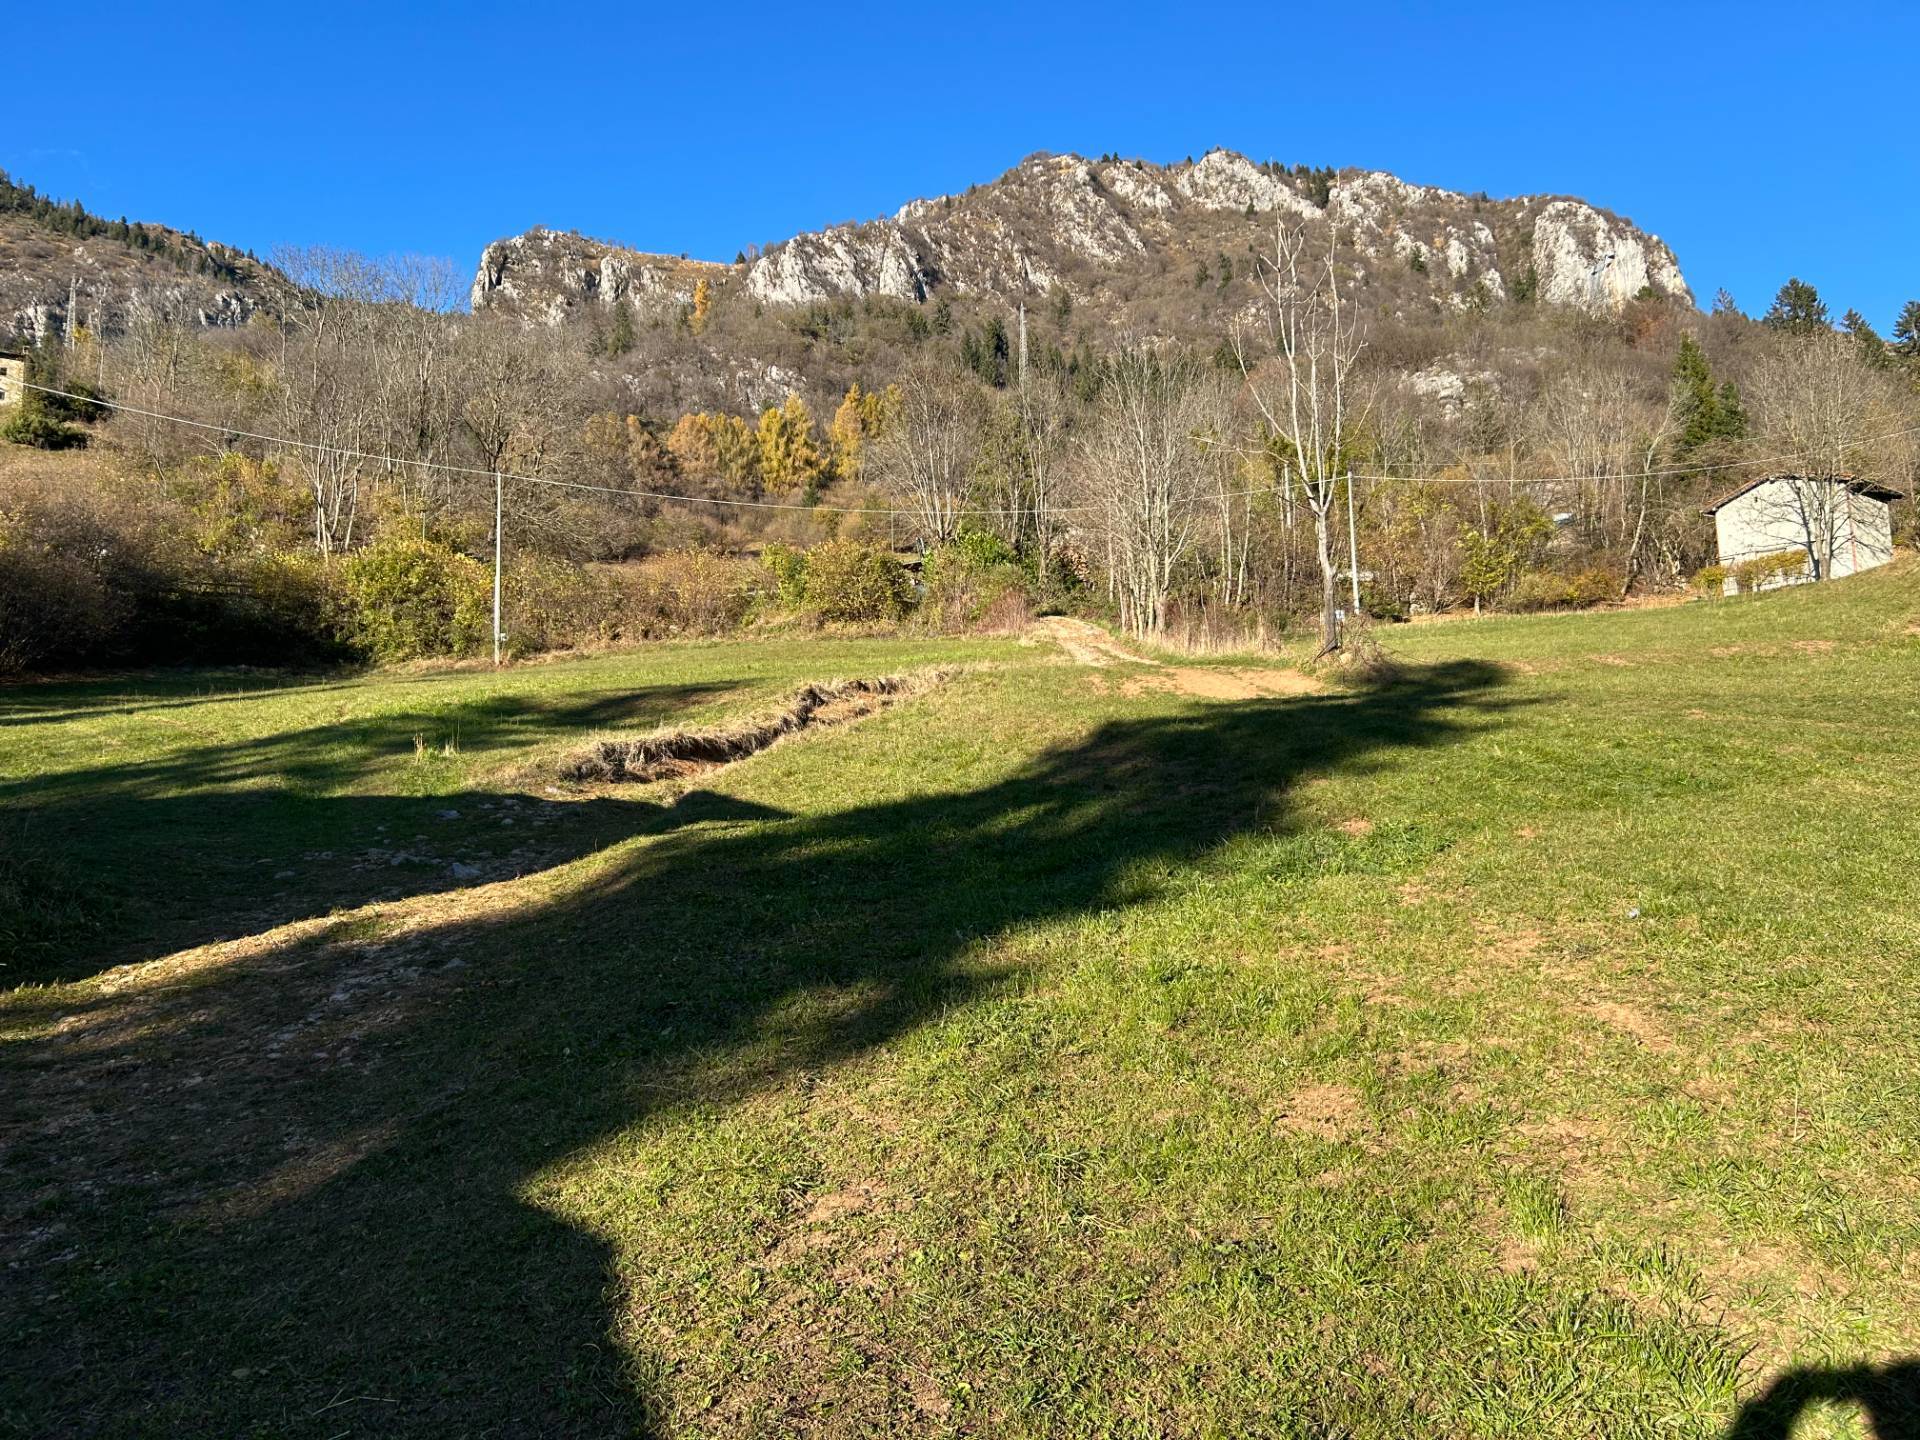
point(1522, 1048)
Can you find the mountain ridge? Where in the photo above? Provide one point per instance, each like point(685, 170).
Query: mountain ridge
point(57, 255)
point(1062, 223)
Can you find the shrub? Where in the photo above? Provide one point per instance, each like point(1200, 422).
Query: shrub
point(1378, 603)
point(683, 592)
point(32, 424)
point(551, 604)
point(1550, 590)
point(976, 581)
point(788, 566)
point(54, 608)
point(279, 608)
point(854, 583)
point(1763, 572)
point(982, 550)
point(404, 599)
point(1539, 590)
point(1594, 586)
point(1712, 580)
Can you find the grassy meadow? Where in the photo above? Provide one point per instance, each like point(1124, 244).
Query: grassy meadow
point(1527, 1044)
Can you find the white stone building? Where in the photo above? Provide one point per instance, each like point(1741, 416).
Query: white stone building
point(13, 375)
point(1841, 525)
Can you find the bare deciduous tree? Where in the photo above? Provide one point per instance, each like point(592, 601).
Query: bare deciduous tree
point(1148, 471)
point(1824, 415)
point(922, 459)
point(1303, 392)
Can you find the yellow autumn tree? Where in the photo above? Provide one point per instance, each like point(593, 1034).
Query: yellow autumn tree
point(739, 446)
point(711, 446)
point(702, 303)
point(692, 443)
point(860, 420)
point(846, 436)
point(790, 456)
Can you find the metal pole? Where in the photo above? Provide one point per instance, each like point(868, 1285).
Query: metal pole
point(496, 567)
point(1023, 349)
point(1353, 546)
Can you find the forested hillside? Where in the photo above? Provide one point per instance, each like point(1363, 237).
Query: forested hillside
point(1274, 394)
point(61, 264)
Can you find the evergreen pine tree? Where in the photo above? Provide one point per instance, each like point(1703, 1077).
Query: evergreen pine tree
point(996, 353)
point(1696, 402)
point(1798, 309)
point(1906, 331)
point(1733, 415)
point(1705, 414)
point(620, 337)
point(1873, 349)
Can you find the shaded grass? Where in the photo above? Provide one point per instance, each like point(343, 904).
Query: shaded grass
point(1525, 1048)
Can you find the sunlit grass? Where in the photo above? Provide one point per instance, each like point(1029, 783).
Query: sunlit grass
point(1526, 1049)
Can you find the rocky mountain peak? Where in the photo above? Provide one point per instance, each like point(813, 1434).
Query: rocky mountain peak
point(1099, 229)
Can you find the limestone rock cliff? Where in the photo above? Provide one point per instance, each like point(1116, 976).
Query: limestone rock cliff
point(1109, 232)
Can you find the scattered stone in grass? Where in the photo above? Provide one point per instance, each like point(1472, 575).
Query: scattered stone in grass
point(449, 815)
point(461, 871)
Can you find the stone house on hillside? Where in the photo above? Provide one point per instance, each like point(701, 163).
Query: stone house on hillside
point(13, 376)
point(1840, 525)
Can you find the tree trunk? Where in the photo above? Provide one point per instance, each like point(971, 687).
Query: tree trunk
point(1329, 588)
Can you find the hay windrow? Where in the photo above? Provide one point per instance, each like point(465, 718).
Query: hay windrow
point(675, 754)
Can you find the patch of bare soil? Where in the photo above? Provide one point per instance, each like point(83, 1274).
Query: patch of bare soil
point(1630, 1021)
point(814, 1228)
point(676, 754)
point(1220, 684)
point(1212, 684)
point(1325, 1112)
point(1514, 1256)
point(1084, 642)
point(1088, 644)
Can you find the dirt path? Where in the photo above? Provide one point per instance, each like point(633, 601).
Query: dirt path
point(1087, 644)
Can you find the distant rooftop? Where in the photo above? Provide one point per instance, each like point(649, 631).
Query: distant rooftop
point(1872, 489)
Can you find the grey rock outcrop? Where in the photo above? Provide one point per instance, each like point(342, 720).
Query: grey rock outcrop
point(1096, 229)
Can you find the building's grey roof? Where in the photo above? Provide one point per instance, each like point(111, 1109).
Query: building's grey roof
point(1872, 489)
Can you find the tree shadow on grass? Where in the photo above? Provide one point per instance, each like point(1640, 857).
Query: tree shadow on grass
point(286, 1195)
point(1888, 1395)
point(115, 863)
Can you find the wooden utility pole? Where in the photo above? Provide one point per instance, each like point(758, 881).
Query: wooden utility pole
point(497, 510)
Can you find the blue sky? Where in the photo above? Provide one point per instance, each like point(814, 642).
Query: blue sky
point(1759, 140)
